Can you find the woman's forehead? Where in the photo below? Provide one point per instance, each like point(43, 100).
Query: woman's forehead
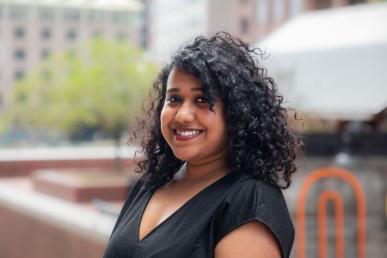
point(178, 78)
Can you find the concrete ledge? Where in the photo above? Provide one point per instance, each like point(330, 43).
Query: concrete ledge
point(82, 186)
point(78, 219)
point(22, 162)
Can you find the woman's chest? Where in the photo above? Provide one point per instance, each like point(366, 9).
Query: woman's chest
point(166, 203)
point(181, 234)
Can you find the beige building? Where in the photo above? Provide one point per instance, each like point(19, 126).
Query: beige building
point(172, 22)
point(31, 30)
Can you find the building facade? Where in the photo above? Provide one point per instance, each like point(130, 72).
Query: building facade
point(173, 22)
point(31, 30)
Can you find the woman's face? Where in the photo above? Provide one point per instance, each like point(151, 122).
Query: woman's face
point(194, 133)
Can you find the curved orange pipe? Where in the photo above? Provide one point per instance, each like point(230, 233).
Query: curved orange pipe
point(301, 202)
point(322, 223)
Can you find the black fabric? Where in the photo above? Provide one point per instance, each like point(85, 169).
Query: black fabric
point(194, 230)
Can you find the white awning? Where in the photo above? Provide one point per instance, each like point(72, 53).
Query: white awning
point(332, 63)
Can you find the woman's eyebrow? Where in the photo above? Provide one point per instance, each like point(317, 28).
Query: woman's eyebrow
point(172, 90)
point(177, 89)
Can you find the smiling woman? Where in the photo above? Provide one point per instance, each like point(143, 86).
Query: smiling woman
point(218, 151)
point(191, 129)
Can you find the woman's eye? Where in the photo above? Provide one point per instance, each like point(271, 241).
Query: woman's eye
point(173, 99)
point(202, 100)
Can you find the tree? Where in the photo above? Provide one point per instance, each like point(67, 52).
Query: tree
point(99, 85)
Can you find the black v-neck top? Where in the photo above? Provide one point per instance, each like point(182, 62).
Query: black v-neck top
point(195, 228)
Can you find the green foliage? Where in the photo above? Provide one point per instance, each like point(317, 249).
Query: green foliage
point(99, 85)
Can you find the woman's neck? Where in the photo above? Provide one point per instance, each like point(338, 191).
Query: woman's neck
point(209, 169)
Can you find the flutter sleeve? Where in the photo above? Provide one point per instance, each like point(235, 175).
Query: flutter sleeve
point(254, 200)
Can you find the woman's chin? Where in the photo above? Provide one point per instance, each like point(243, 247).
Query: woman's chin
point(185, 156)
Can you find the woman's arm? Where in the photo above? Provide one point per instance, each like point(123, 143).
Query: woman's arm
point(251, 240)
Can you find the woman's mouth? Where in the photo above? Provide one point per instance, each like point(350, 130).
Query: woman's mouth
point(186, 134)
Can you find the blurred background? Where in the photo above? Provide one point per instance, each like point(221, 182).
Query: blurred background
point(74, 75)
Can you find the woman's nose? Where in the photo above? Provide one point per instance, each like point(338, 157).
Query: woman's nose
point(185, 114)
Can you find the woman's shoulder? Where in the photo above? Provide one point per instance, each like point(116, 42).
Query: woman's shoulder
point(247, 185)
point(252, 199)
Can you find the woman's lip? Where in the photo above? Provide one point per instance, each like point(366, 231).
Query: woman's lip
point(186, 137)
point(186, 129)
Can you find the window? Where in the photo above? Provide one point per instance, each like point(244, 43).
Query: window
point(45, 33)
point(244, 25)
point(18, 12)
point(262, 11)
point(71, 35)
point(356, 1)
point(278, 10)
point(72, 15)
point(323, 4)
point(96, 16)
point(19, 33)
point(120, 17)
point(46, 14)
point(19, 74)
point(19, 54)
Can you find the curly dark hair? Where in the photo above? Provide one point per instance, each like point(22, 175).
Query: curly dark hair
point(260, 142)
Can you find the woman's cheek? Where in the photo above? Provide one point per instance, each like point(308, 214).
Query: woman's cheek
point(166, 118)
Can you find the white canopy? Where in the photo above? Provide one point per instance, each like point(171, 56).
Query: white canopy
point(332, 63)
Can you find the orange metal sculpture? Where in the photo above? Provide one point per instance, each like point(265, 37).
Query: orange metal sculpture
point(322, 223)
point(339, 213)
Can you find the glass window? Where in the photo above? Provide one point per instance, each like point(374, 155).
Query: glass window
point(322, 4)
point(244, 25)
point(120, 17)
point(19, 54)
point(96, 16)
point(71, 15)
point(356, 1)
point(18, 12)
point(296, 7)
point(19, 74)
point(71, 35)
point(262, 11)
point(278, 10)
point(46, 33)
point(19, 33)
point(46, 14)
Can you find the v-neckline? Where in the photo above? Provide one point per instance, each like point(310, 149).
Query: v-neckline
point(151, 192)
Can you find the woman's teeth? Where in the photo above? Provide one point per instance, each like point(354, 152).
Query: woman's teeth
point(187, 132)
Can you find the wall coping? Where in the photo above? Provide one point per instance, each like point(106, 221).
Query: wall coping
point(67, 153)
point(81, 219)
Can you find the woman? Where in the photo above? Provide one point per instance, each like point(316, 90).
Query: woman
point(218, 151)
